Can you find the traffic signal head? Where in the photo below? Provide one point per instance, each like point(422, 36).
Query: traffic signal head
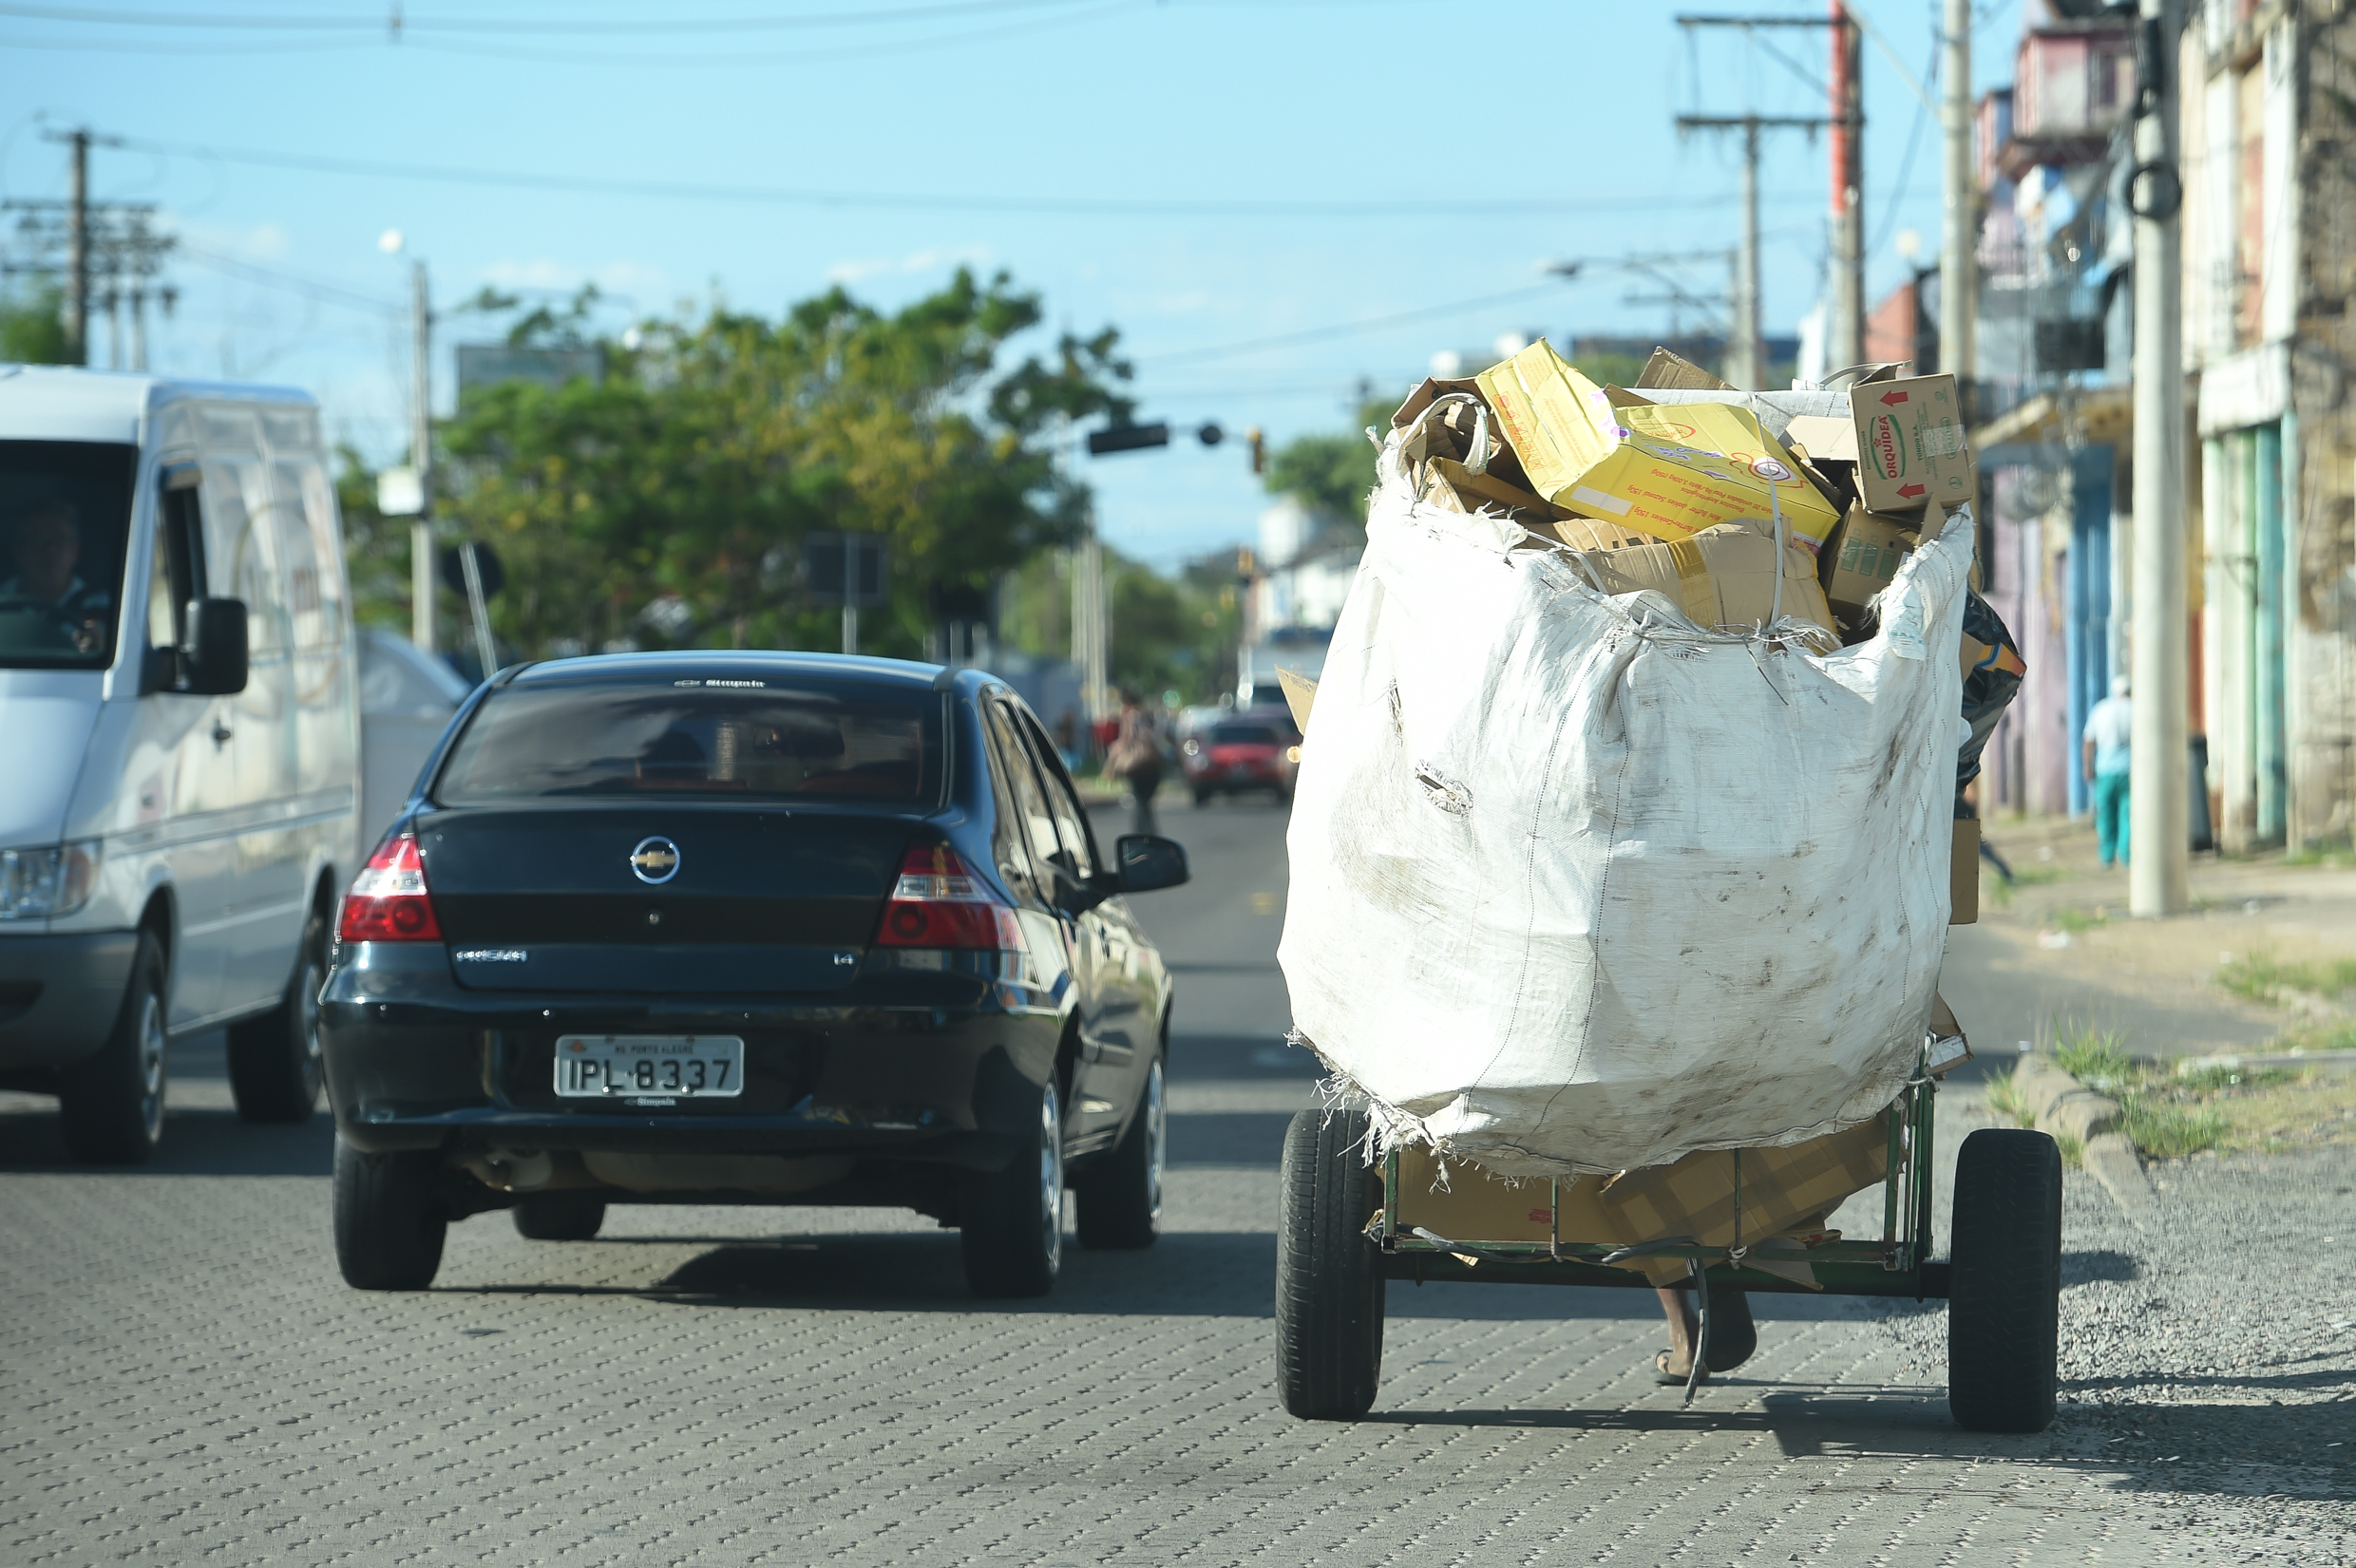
point(1259, 449)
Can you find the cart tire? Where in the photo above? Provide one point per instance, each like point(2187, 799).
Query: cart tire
point(1328, 1293)
point(2003, 1313)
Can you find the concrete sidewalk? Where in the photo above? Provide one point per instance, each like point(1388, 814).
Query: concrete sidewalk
point(2060, 948)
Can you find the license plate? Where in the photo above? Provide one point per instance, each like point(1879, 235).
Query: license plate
point(649, 1067)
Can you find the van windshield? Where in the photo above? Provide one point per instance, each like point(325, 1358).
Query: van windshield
point(730, 739)
point(65, 518)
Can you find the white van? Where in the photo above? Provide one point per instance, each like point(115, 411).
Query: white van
point(178, 742)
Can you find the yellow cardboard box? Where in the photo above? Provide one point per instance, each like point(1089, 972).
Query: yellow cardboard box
point(1723, 578)
point(1912, 448)
point(1667, 470)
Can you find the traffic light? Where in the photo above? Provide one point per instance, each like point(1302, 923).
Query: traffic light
point(1259, 449)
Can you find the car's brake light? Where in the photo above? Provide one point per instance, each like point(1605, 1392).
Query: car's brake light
point(389, 901)
point(938, 902)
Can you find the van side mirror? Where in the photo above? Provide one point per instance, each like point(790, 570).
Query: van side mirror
point(215, 653)
point(1147, 862)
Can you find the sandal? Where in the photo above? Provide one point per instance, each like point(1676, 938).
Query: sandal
point(1668, 1379)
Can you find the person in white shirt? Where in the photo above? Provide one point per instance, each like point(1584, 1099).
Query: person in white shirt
point(2108, 729)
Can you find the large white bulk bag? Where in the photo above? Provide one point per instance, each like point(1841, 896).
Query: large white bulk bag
point(1579, 887)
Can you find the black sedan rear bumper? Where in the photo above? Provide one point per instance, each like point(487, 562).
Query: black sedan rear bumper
point(416, 1062)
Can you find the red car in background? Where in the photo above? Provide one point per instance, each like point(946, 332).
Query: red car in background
point(1251, 750)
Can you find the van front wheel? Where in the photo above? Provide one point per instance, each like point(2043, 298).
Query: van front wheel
point(113, 1099)
point(274, 1060)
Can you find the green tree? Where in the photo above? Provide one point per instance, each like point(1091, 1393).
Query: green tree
point(32, 326)
point(1332, 473)
point(668, 504)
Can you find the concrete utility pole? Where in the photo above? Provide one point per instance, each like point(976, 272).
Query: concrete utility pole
point(2158, 828)
point(78, 251)
point(1847, 112)
point(1746, 350)
point(421, 458)
point(1959, 280)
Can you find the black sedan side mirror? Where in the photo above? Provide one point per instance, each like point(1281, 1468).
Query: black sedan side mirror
point(217, 647)
point(1147, 862)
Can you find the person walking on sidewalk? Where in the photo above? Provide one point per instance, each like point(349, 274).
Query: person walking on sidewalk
point(2105, 756)
point(1136, 759)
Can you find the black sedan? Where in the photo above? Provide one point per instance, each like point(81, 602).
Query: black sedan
point(747, 928)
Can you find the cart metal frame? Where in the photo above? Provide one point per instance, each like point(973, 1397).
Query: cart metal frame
point(1897, 1265)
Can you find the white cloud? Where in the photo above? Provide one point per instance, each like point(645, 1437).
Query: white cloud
point(916, 261)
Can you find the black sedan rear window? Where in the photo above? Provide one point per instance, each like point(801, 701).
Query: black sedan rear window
point(749, 740)
point(1241, 735)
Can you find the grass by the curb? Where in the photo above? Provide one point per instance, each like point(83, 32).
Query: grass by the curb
point(2005, 1098)
point(2171, 1115)
point(2262, 977)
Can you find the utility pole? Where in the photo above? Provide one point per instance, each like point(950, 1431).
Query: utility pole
point(1959, 280)
point(421, 458)
point(2158, 827)
point(78, 249)
point(1746, 352)
point(1848, 118)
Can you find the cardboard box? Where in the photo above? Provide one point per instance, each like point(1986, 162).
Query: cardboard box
point(1666, 372)
point(1863, 557)
point(1448, 432)
point(1300, 696)
point(1784, 1192)
point(1587, 534)
point(1911, 446)
point(1488, 492)
point(1670, 471)
point(1962, 874)
point(1779, 1189)
point(1722, 579)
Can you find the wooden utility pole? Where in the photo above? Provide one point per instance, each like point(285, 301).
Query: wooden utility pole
point(1746, 350)
point(422, 563)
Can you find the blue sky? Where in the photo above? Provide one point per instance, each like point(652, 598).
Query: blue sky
point(1230, 171)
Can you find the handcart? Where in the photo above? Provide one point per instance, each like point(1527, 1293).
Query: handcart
point(1348, 1228)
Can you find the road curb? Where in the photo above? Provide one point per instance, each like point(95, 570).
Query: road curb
point(2062, 1105)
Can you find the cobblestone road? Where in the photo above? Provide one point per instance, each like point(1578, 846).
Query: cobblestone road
point(183, 1378)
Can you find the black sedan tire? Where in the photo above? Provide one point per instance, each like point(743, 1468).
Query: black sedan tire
point(274, 1060)
point(559, 1217)
point(113, 1099)
point(389, 1219)
point(1120, 1197)
point(1012, 1220)
point(1328, 1293)
point(2004, 1310)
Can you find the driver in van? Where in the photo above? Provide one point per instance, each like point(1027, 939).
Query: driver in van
point(47, 546)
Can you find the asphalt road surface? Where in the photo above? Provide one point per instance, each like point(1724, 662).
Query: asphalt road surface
point(183, 1378)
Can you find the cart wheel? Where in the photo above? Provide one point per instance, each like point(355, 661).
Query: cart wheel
point(1328, 1297)
point(2004, 1314)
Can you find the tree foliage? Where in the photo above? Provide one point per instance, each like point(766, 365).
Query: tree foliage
point(1332, 473)
point(667, 504)
point(32, 326)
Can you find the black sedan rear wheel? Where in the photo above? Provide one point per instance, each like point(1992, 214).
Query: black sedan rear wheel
point(1012, 1220)
point(389, 1219)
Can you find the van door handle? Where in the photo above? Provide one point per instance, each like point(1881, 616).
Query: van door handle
point(220, 734)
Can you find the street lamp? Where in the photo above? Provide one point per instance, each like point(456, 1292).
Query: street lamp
point(416, 497)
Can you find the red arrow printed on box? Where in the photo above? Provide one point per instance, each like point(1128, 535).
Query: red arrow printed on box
point(1910, 491)
point(1890, 400)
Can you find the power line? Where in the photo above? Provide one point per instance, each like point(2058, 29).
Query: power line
point(379, 24)
point(1043, 205)
point(1351, 328)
